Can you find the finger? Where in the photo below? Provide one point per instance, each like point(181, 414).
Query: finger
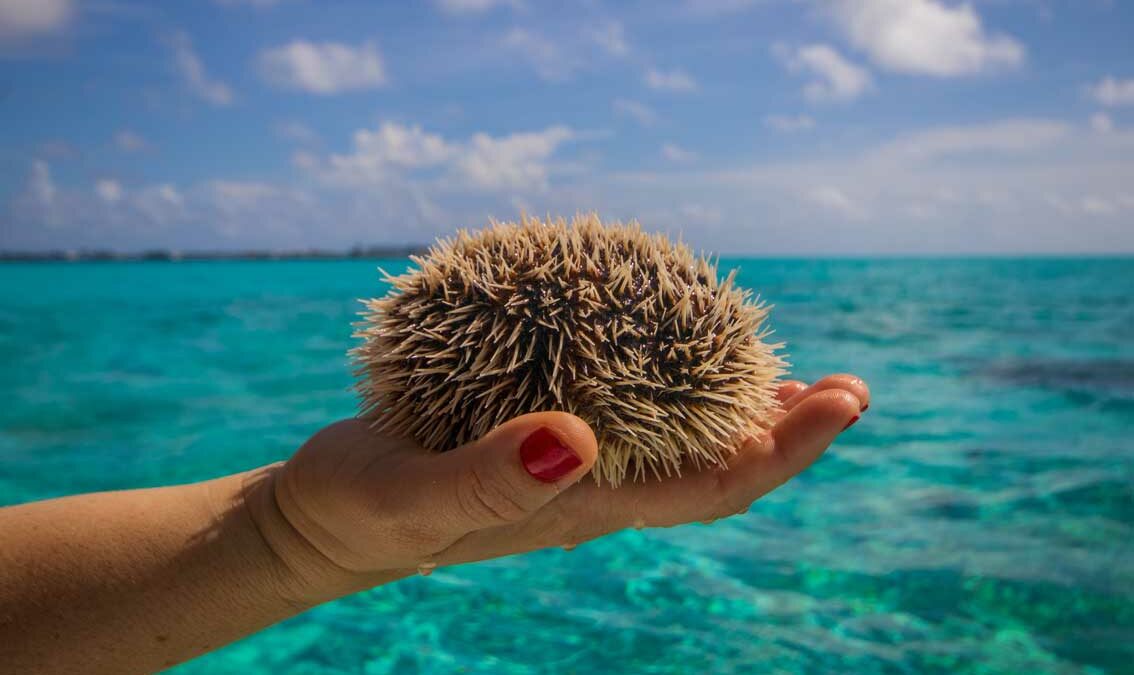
point(765, 463)
point(796, 441)
point(844, 381)
point(789, 388)
point(587, 510)
point(512, 471)
point(761, 466)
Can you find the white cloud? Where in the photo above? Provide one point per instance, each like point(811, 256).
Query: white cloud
point(323, 68)
point(834, 199)
point(108, 190)
point(193, 72)
point(84, 217)
point(211, 215)
point(402, 146)
point(611, 37)
point(1098, 206)
point(128, 141)
point(639, 112)
point(838, 78)
point(38, 203)
point(169, 194)
point(925, 37)
point(674, 80)
point(570, 48)
point(26, 18)
point(474, 6)
point(1005, 186)
point(1110, 91)
point(158, 204)
point(236, 209)
point(41, 187)
point(515, 161)
point(676, 153)
point(395, 153)
point(1102, 123)
point(1005, 136)
point(381, 155)
point(1016, 185)
point(541, 53)
point(789, 123)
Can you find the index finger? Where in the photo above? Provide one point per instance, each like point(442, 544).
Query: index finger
point(588, 510)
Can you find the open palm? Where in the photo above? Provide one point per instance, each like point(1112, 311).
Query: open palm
point(372, 504)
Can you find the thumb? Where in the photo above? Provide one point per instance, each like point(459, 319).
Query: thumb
point(515, 469)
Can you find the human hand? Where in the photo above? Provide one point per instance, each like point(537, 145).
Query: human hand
point(363, 508)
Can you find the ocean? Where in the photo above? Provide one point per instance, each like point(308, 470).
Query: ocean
point(980, 517)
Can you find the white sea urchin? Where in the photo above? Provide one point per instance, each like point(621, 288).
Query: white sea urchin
point(629, 331)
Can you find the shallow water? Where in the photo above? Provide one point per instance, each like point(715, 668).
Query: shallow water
point(980, 517)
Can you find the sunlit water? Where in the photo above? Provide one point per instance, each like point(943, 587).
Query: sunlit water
point(979, 518)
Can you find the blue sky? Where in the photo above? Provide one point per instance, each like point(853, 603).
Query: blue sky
point(829, 127)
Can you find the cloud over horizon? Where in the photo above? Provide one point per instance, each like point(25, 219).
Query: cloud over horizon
point(873, 126)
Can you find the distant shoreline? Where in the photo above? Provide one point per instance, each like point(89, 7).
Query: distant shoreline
point(162, 255)
point(401, 252)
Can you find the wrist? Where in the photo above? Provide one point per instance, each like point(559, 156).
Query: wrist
point(302, 575)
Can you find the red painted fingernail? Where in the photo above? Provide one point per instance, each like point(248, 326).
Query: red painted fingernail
point(864, 407)
point(546, 457)
point(851, 422)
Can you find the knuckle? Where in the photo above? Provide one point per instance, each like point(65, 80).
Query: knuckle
point(733, 505)
point(729, 499)
point(414, 538)
point(568, 522)
point(573, 534)
point(487, 498)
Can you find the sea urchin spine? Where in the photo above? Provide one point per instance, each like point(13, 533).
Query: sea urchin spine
point(629, 331)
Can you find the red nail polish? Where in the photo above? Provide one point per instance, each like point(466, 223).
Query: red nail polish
point(851, 422)
point(546, 458)
point(864, 407)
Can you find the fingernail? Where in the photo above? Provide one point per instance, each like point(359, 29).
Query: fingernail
point(851, 422)
point(546, 458)
point(864, 407)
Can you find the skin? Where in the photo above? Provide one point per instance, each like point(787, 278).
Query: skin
point(139, 580)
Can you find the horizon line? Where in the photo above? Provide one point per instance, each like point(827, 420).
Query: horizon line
point(387, 252)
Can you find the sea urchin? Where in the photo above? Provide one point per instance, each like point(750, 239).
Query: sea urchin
point(629, 331)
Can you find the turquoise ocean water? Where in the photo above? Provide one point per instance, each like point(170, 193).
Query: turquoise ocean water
point(980, 518)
